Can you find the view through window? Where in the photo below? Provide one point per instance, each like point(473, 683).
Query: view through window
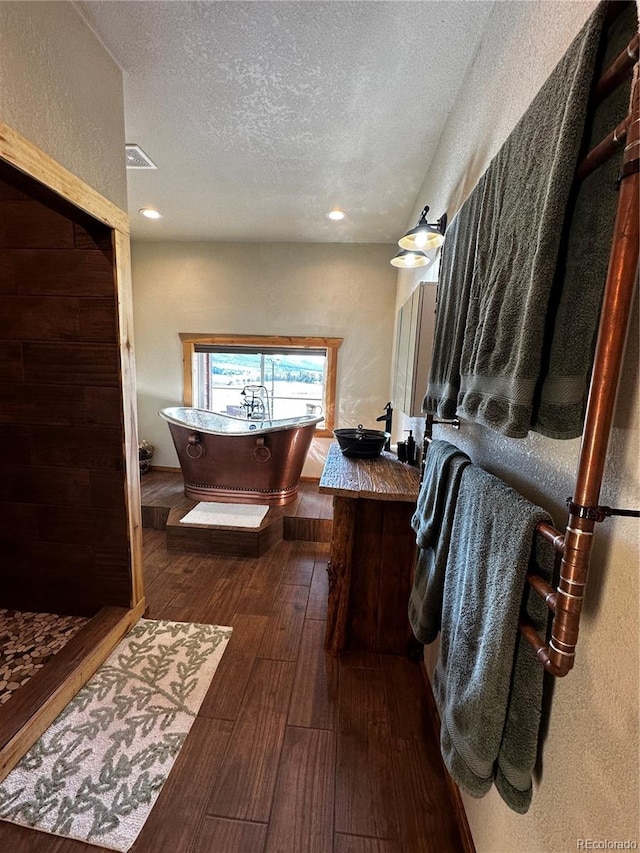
point(262, 377)
point(260, 383)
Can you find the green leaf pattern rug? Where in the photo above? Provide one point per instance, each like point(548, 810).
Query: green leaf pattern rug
point(96, 772)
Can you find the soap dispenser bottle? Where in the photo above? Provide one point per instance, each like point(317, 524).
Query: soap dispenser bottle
point(411, 449)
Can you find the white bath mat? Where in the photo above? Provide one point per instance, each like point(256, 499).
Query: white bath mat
point(96, 772)
point(215, 514)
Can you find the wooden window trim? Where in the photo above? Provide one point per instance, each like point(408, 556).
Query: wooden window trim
point(189, 341)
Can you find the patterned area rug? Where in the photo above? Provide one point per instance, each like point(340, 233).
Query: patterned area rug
point(97, 771)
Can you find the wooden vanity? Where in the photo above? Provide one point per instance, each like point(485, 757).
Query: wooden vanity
point(373, 552)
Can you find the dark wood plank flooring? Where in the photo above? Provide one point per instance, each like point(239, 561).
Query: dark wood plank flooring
point(292, 751)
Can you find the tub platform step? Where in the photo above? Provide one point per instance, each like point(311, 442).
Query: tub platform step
point(309, 518)
point(228, 541)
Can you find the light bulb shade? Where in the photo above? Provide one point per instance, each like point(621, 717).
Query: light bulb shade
point(410, 260)
point(422, 238)
point(425, 236)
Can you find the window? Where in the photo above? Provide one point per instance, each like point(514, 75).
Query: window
point(261, 376)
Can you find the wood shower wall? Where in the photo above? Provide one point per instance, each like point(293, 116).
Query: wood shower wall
point(64, 540)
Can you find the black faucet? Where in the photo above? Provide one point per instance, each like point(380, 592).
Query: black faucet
point(387, 418)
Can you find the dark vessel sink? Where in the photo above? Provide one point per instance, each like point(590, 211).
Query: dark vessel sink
point(364, 443)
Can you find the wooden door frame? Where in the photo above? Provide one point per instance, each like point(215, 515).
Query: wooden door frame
point(53, 687)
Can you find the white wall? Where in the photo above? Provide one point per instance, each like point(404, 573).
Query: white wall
point(588, 785)
point(61, 90)
point(309, 289)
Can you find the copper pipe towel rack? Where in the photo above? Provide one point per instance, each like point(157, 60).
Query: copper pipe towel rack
point(558, 654)
point(574, 545)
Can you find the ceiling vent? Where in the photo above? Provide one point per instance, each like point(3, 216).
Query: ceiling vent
point(137, 159)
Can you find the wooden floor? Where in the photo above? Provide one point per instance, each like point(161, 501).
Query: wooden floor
point(292, 751)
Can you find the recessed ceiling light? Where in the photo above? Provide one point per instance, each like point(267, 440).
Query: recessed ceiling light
point(336, 215)
point(150, 213)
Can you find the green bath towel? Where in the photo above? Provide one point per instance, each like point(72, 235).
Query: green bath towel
point(524, 202)
point(574, 308)
point(432, 523)
point(487, 682)
point(454, 288)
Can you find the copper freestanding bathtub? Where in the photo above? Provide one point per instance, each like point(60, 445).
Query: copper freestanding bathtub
point(236, 460)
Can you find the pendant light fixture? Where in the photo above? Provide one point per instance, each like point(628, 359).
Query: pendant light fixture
point(408, 260)
point(425, 235)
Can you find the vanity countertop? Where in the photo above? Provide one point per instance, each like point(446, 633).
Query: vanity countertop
point(382, 478)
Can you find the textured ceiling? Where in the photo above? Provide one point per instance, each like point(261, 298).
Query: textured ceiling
point(261, 116)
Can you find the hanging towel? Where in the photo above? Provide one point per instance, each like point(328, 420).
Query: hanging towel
point(519, 745)
point(432, 522)
point(524, 200)
point(574, 308)
point(487, 682)
point(454, 287)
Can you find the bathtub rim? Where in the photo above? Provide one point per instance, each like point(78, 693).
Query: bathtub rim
point(250, 427)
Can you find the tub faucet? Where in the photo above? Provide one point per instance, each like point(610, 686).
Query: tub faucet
point(256, 402)
point(387, 418)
